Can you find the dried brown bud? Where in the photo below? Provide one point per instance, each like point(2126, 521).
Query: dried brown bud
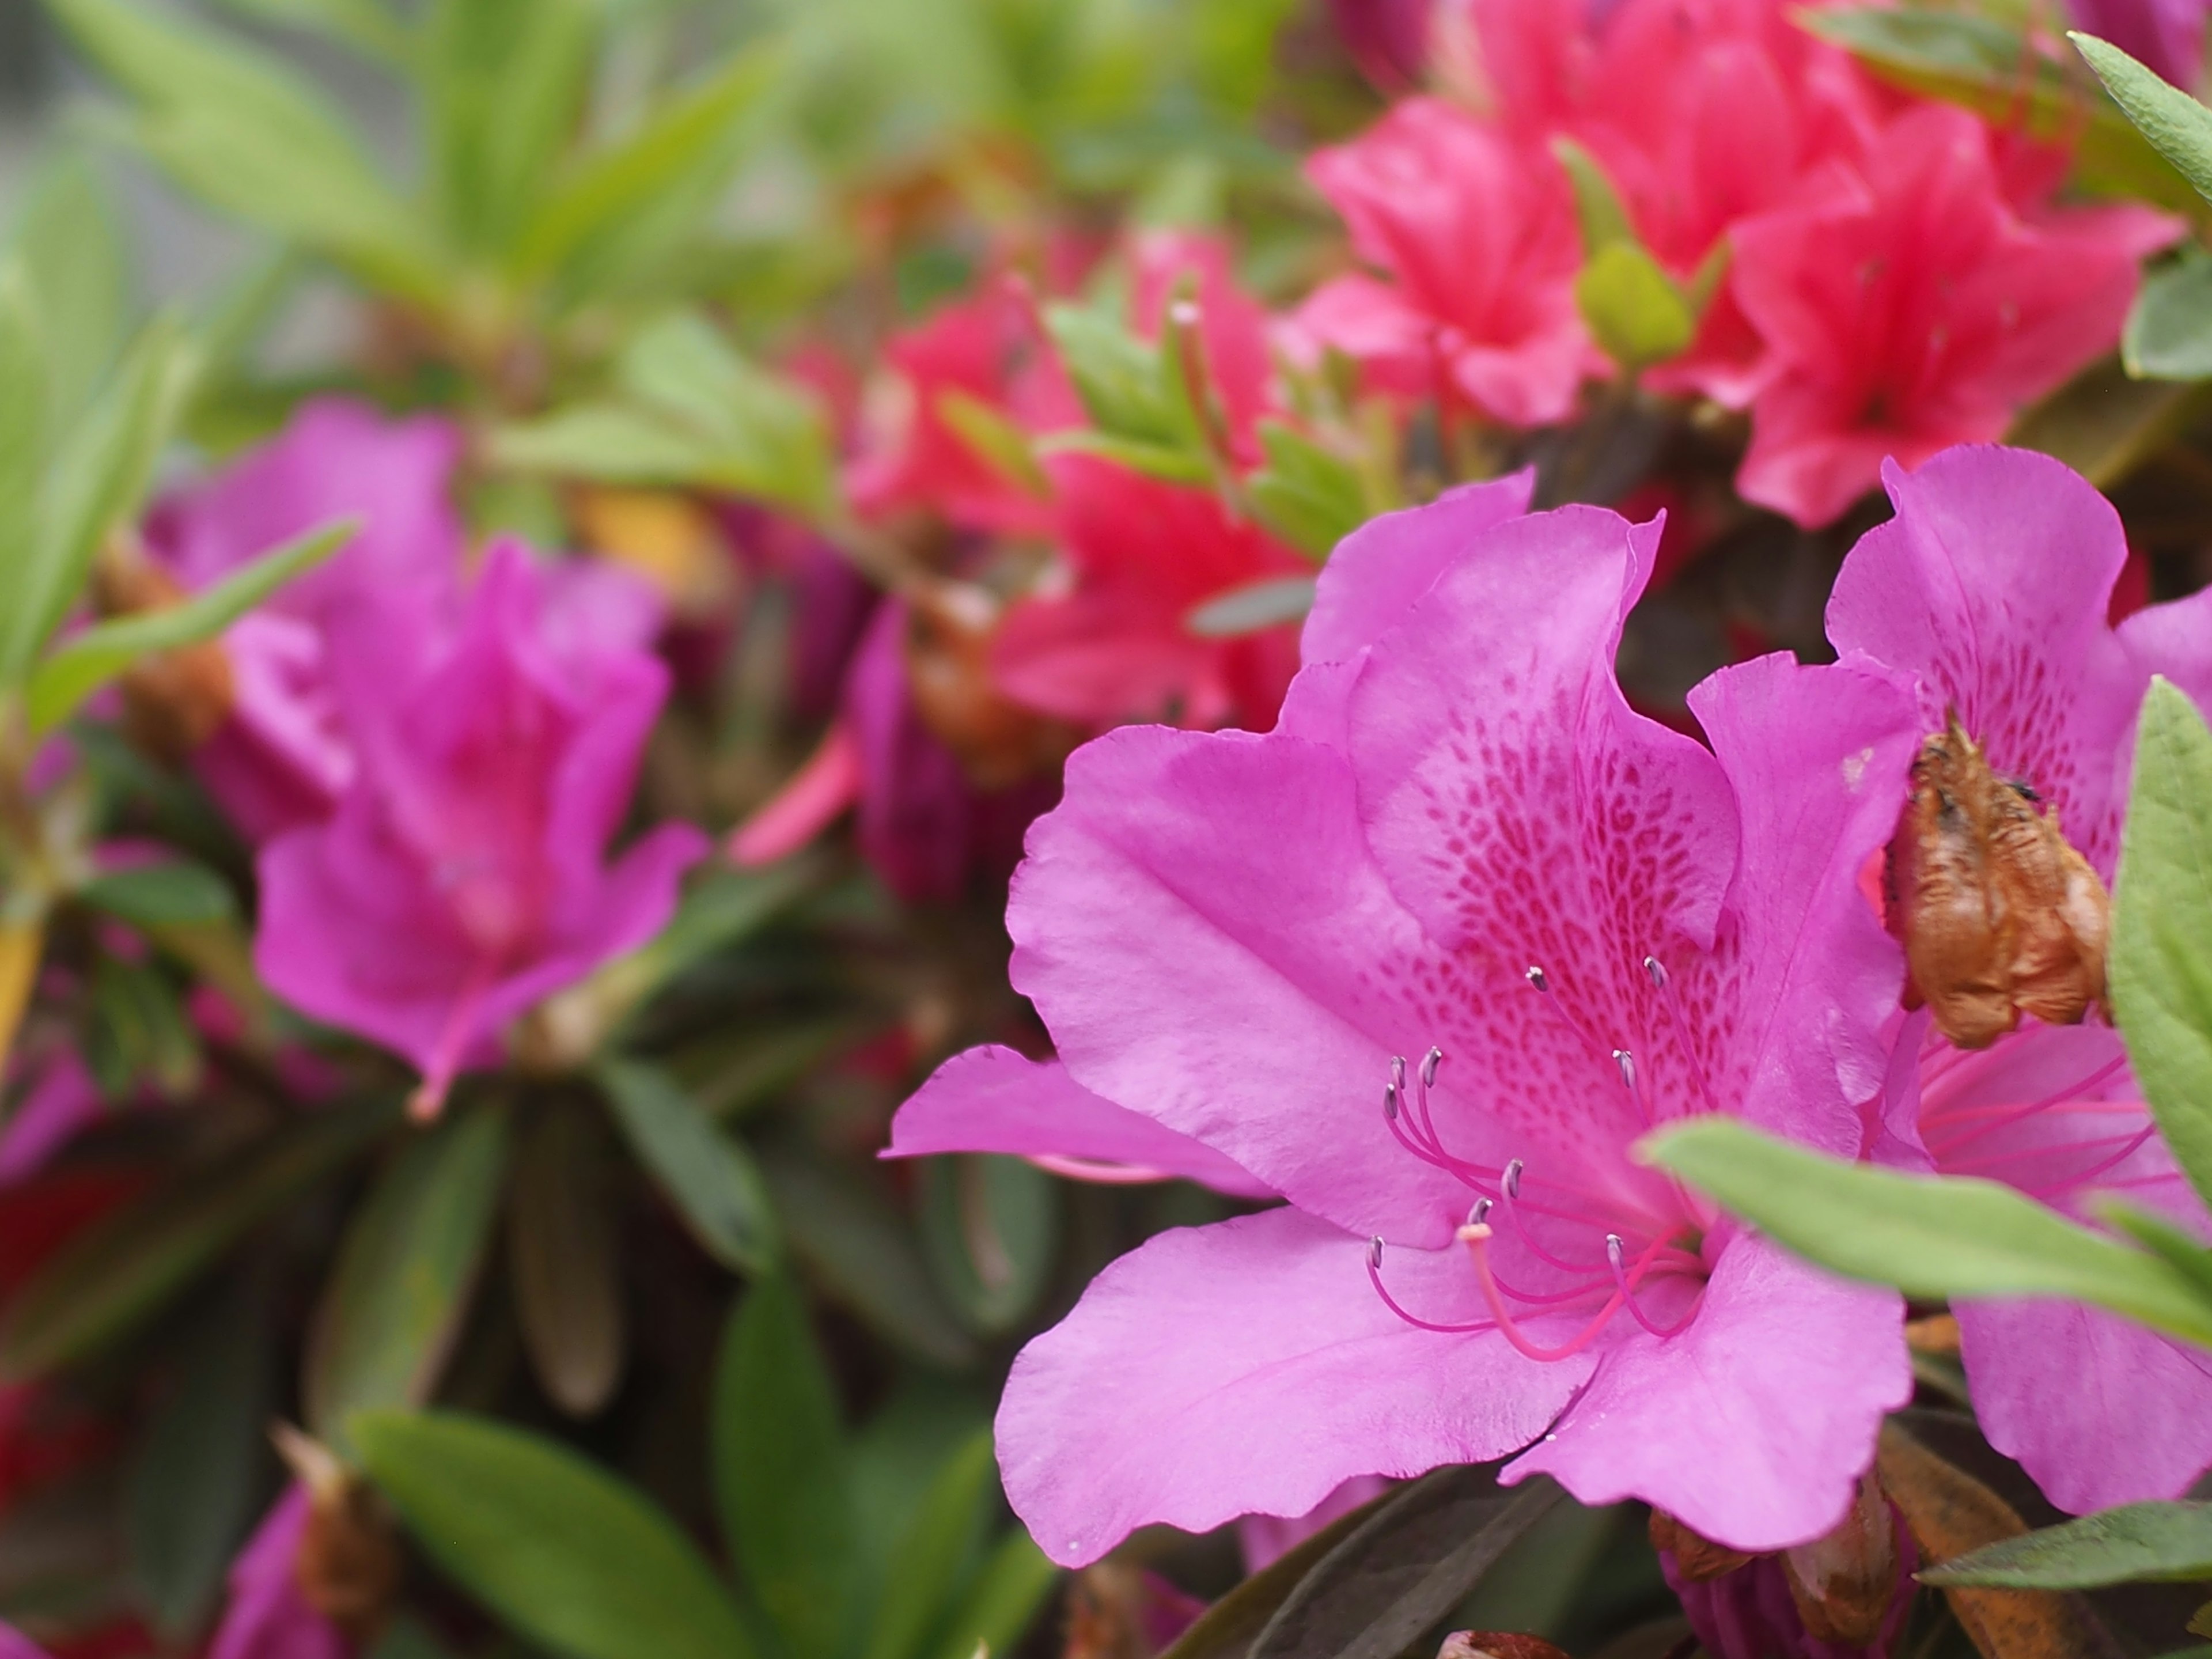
point(1698, 1559)
point(1844, 1582)
point(1496, 1644)
point(2000, 916)
point(173, 700)
point(348, 1566)
point(1937, 1334)
point(948, 662)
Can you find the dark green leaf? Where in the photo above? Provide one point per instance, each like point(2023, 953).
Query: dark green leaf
point(562, 1252)
point(173, 893)
point(2133, 1543)
point(128, 1264)
point(2169, 331)
point(2178, 127)
point(2161, 949)
point(89, 659)
point(1927, 1236)
point(1253, 609)
point(138, 1033)
point(1420, 1552)
point(1008, 1589)
point(1228, 1628)
point(197, 1472)
point(990, 1226)
point(571, 1558)
point(782, 1470)
point(706, 1174)
point(924, 1571)
point(398, 1294)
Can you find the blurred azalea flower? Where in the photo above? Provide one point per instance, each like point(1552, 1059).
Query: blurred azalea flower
point(283, 757)
point(461, 877)
point(1989, 590)
point(267, 1616)
point(1475, 237)
point(1908, 305)
point(1460, 834)
point(13, 1644)
point(2168, 35)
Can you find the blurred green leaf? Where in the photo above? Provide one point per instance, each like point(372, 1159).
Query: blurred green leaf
point(408, 1639)
point(2104, 424)
point(367, 26)
point(23, 418)
point(1635, 311)
point(1602, 219)
point(603, 195)
point(570, 1557)
point(2161, 948)
point(1929, 1236)
point(1123, 381)
point(1163, 461)
point(505, 83)
point(706, 1174)
point(1981, 64)
point(843, 1226)
point(138, 1034)
point(73, 252)
point(1253, 608)
point(176, 892)
point(562, 1251)
point(2135, 1543)
point(990, 1227)
point(2168, 335)
point(237, 128)
point(198, 1470)
point(993, 439)
point(398, 1291)
point(925, 1570)
point(96, 478)
point(89, 660)
point(781, 1472)
point(2177, 125)
point(129, 1263)
point(1003, 1600)
point(2179, 1248)
point(1305, 494)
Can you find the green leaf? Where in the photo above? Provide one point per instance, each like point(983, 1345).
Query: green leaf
point(89, 660)
point(96, 479)
point(1185, 466)
point(706, 1174)
point(504, 82)
point(605, 193)
point(993, 439)
point(563, 1254)
point(1009, 1589)
point(237, 128)
point(398, 1292)
point(127, 1265)
point(2168, 335)
point(1310, 497)
point(1228, 1628)
point(1927, 1236)
point(72, 250)
point(364, 25)
point(770, 432)
point(925, 1568)
point(1983, 66)
point(2161, 966)
point(1253, 609)
point(990, 1227)
point(1124, 381)
point(2104, 424)
point(1634, 309)
point(1598, 210)
point(571, 1558)
point(23, 422)
point(2178, 127)
point(782, 1470)
point(195, 1475)
point(174, 893)
point(2134, 1544)
point(138, 1033)
point(2176, 1244)
point(613, 443)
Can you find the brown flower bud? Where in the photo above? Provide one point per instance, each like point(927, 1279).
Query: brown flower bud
point(173, 701)
point(348, 1566)
point(948, 662)
point(1698, 1559)
point(1495, 1644)
point(2000, 916)
point(1844, 1582)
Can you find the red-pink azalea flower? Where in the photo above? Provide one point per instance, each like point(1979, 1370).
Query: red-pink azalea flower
point(1989, 589)
point(1460, 836)
point(1475, 234)
point(267, 1617)
point(282, 759)
point(2168, 35)
point(462, 878)
point(1907, 306)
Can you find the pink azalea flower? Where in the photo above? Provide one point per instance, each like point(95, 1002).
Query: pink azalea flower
point(267, 1617)
point(63, 1101)
point(1459, 835)
point(1989, 589)
point(281, 759)
point(1143, 555)
point(990, 346)
point(13, 1644)
point(462, 876)
point(1907, 306)
point(1476, 236)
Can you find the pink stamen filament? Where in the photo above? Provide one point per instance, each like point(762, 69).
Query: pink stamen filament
point(1375, 1278)
point(1628, 1293)
point(1476, 1237)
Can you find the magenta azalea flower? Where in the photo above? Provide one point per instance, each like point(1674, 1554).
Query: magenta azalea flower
point(1460, 840)
point(463, 876)
point(283, 758)
point(267, 1618)
point(2168, 35)
point(1989, 589)
point(13, 1644)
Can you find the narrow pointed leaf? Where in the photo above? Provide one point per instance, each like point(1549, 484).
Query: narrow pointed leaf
point(72, 249)
point(2168, 335)
point(945, 1527)
point(1253, 608)
point(705, 1173)
point(23, 421)
point(571, 1558)
point(998, 1607)
point(1227, 1629)
point(173, 893)
point(2135, 1543)
point(562, 1252)
point(2178, 127)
